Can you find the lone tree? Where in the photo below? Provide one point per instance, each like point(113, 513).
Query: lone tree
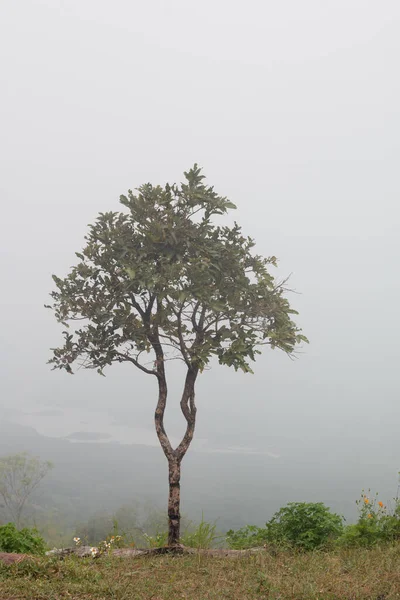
point(161, 278)
point(20, 475)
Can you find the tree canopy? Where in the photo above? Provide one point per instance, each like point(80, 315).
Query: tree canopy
point(164, 266)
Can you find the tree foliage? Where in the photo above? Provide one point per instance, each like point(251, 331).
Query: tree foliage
point(163, 269)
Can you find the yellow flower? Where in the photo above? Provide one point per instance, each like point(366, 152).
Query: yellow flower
point(380, 504)
point(369, 516)
point(366, 500)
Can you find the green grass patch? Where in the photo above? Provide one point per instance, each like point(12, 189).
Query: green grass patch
point(348, 574)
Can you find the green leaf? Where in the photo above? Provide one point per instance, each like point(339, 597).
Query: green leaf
point(230, 205)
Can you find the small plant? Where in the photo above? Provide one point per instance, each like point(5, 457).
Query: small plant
point(304, 525)
point(105, 546)
point(204, 536)
point(250, 536)
point(21, 541)
point(118, 537)
point(159, 540)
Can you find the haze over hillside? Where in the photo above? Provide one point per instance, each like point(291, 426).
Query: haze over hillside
point(241, 488)
point(292, 109)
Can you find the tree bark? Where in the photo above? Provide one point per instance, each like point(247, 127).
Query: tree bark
point(174, 501)
point(188, 408)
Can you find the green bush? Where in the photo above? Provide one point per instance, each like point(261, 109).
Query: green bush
point(299, 524)
point(391, 524)
point(250, 536)
point(24, 541)
point(304, 525)
point(311, 525)
point(375, 524)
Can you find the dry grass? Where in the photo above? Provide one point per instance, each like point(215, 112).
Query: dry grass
point(351, 575)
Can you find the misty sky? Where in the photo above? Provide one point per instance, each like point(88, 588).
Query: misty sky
point(292, 109)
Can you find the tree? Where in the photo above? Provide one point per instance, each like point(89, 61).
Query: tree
point(20, 475)
point(163, 279)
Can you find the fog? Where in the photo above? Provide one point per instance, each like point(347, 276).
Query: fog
point(291, 108)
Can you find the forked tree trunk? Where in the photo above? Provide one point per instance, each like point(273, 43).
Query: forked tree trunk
point(175, 456)
point(188, 408)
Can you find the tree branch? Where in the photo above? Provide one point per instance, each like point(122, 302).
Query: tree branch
point(188, 408)
point(136, 305)
point(150, 305)
point(136, 363)
point(182, 344)
point(193, 318)
point(154, 339)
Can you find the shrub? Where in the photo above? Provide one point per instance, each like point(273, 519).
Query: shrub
point(250, 536)
point(304, 525)
point(391, 523)
point(375, 524)
point(24, 541)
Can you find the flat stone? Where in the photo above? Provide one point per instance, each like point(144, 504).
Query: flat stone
point(10, 557)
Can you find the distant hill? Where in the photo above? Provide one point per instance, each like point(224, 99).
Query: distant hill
point(235, 488)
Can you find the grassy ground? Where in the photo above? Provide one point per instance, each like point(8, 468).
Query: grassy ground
point(351, 575)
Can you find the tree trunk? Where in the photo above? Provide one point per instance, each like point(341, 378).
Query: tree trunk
point(174, 456)
point(174, 500)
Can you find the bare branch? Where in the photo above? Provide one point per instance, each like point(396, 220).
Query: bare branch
point(182, 344)
point(136, 305)
point(202, 317)
point(188, 408)
point(150, 305)
point(125, 357)
point(193, 317)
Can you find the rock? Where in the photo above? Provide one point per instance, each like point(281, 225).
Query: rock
point(60, 551)
point(81, 551)
point(9, 558)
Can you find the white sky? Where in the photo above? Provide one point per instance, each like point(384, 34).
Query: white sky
point(292, 108)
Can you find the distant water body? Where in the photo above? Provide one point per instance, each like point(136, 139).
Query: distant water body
point(95, 426)
point(73, 423)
